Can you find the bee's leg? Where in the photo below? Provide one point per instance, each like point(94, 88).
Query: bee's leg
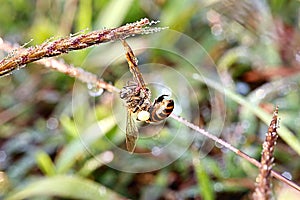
point(136, 109)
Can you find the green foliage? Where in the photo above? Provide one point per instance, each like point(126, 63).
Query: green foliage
point(72, 187)
point(205, 185)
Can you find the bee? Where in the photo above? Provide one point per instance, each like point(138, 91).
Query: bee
point(137, 98)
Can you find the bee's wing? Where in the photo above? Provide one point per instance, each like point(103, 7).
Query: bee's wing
point(133, 66)
point(131, 133)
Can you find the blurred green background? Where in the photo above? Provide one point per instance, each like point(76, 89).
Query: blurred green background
point(57, 142)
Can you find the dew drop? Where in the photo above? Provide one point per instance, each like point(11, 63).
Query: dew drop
point(218, 145)
point(156, 151)
point(153, 22)
point(52, 123)
point(196, 76)
point(287, 175)
point(3, 156)
point(218, 187)
point(94, 91)
point(245, 125)
point(297, 56)
point(242, 88)
point(107, 156)
point(217, 30)
point(260, 93)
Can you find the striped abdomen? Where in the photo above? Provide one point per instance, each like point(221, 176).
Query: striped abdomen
point(161, 109)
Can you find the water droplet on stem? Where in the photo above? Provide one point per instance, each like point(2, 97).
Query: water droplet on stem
point(94, 91)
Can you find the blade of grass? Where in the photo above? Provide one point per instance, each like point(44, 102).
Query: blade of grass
point(45, 163)
point(96, 162)
point(79, 147)
point(108, 18)
point(84, 17)
point(65, 187)
point(204, 183)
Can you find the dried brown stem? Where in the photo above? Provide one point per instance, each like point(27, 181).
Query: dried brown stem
point(232, 148)
point(21, 57)
point(263, 181)
point(69, 70)
point(79, 73)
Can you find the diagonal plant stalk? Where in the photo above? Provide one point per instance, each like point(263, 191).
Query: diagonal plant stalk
point(76, 72)
point(20, 57)
point(233, 149)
